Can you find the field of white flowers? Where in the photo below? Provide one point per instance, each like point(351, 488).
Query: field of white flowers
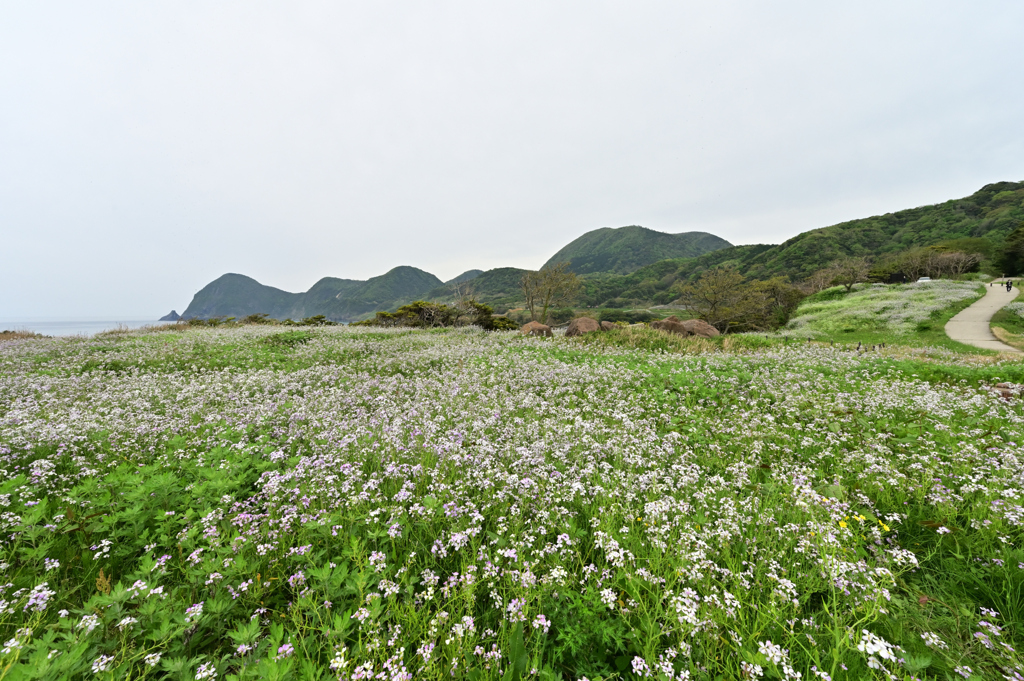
point(333, 503)
point(896, 309)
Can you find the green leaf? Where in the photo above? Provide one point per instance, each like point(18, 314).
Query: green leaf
point(517, 655)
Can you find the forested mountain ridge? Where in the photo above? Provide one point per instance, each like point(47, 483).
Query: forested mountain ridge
point(621, 250)
point(986, 217)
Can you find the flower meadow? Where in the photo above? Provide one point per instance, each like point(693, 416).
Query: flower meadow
point(352, 504)
point(1016, 308)
point(896, 309)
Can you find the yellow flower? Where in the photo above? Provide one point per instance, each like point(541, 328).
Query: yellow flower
point(842, 523)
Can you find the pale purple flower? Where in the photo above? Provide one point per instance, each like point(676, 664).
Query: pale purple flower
point(102, 664)
point(194, 611)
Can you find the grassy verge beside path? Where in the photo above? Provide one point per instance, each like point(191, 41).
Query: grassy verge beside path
point(1008, 323)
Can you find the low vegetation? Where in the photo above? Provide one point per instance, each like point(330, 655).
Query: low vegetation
point(425, 315)
point(18, 335)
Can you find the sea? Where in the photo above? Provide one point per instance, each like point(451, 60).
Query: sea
point(75, 327)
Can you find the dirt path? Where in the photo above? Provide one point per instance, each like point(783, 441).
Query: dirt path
point(971, 326)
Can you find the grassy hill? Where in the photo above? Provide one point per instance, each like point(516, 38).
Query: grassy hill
point(236, 295)
point(625, 249)
point(990, 213)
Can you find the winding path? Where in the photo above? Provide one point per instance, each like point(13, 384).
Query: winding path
point(971, 326)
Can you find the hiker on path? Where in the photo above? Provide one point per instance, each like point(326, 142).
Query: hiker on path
point(1009, 285)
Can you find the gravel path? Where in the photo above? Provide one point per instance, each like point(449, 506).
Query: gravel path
point(971, 326)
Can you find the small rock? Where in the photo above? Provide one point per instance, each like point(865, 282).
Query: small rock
point(608, 326)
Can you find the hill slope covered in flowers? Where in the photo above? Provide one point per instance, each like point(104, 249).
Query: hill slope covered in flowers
point(342, 503)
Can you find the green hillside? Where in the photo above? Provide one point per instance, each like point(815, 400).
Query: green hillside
point(238, 295)
point(990, 213)
point(986, 217)
point(465, 276)
point(654, 283)
point(235, 295)
point(625, 249)
point(498, 288)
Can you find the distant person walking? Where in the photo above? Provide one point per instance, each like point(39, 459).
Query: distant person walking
point(1009, 285)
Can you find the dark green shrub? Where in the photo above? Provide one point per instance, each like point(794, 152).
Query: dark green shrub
point(627, 316)
point(504, 324)
point(212, 321)
point(260, 318)
point(288, 339)
point(317, 320)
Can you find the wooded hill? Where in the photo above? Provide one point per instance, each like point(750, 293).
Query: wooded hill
point(626, 249)
point(985, 218)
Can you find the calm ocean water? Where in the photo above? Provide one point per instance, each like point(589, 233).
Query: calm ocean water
point(85, 327)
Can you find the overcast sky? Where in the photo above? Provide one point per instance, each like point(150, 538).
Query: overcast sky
point(148, 147)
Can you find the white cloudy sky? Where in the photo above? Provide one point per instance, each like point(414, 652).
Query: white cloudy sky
point(146, 148)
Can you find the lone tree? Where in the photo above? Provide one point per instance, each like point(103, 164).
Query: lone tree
point(850, 271)
point(547, 288)
point(717, 297)
point(726, 301)
point(819, 281)
point(464, 303)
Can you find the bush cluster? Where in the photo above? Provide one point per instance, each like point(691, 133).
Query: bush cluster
point(427, 315)
point(628, 316)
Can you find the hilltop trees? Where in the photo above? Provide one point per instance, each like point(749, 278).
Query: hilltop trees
point(1011, 260)
point(934, 262)
point(550, 287)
